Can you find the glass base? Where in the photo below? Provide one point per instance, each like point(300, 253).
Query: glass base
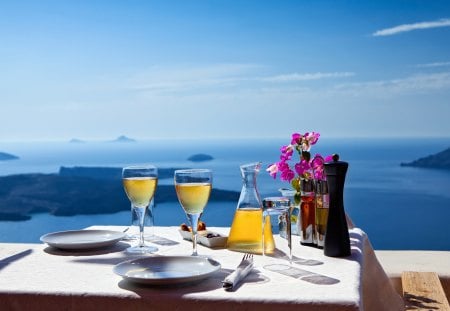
point(277, 267)
point(135, 237)
point(141, 249)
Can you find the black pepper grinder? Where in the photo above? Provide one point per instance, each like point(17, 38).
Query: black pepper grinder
point(337, 239)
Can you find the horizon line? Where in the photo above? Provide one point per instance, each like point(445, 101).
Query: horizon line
point(132, 140)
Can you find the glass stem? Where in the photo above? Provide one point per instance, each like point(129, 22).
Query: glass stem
point(151, 219)
point(193, 219)
point(194, 243)
point(263, 237)
point(289, 233)
point(140, 212)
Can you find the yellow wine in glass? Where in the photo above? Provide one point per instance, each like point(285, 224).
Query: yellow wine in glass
point(193, 188)
point(140, 190)
point(140, 183)
point(193, 196)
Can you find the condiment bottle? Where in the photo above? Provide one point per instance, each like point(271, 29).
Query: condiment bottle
point(307, 212)
point(322, 207)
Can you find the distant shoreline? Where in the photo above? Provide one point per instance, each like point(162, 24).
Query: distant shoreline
point(78, 191)
point(440, 160)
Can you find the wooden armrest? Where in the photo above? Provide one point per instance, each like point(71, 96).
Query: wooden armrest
point(423, 291)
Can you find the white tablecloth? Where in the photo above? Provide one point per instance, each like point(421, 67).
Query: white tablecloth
point(35, 276)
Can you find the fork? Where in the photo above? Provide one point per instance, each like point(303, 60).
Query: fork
point(245, 266)
point(242, 270)
point(248, 257)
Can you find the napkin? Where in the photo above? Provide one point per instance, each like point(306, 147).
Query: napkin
point(232, 280)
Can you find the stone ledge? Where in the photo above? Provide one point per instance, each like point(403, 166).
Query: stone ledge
point(395, 262)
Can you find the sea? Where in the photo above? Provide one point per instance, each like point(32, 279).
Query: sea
point(400, 208)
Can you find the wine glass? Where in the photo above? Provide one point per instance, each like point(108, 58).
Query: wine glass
point(140, 183)
point(132, 231)
point(193, 188)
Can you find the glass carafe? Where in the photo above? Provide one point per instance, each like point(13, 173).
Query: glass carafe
point(246, 229)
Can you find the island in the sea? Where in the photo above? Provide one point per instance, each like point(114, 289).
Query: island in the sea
point(7, 156)
point(79, 190)
point(123, 139)
point(200, 157)
point(440, 160)
point(76, 141)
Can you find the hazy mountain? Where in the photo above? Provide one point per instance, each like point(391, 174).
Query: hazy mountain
point(76, 141)
point(440, 160)
point(123, 139)
point(7, 156)
point(200, 157)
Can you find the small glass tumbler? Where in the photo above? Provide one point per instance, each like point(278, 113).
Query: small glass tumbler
point(279, 207)
point(294, 209)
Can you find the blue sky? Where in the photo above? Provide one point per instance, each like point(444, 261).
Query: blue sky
point(190, 69)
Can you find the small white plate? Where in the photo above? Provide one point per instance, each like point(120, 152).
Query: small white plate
point(82, 239)
point(165, 270)
point(216, 241)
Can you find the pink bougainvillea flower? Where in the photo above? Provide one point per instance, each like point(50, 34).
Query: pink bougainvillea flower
point(317, 166)
point(282, 166)
point(308, 140)
point(296, 139)
point(317, 162)
point(273, 170)
point(312, 137)
point(307, 167)
point(319, 174)
point(286, 152)
point(302, 167)
point(329, 158)
point(287, 175)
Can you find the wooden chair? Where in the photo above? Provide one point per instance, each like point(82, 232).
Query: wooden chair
point(423, 291)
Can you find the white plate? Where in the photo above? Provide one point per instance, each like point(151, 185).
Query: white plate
point(82, 239)
point(164, 270)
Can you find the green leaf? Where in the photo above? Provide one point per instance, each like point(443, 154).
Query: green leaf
point(296, 184)
point(297, 198)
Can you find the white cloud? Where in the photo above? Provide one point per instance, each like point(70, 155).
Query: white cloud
point(433, 65)
point(419, 83)
point(232, 82)
point(206, 78)
point(191, 77)
point(307, 76)
point(410, 27)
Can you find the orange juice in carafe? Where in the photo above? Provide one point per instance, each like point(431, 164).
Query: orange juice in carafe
point(246, 230)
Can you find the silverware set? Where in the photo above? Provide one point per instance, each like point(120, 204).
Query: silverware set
point(231, 282)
